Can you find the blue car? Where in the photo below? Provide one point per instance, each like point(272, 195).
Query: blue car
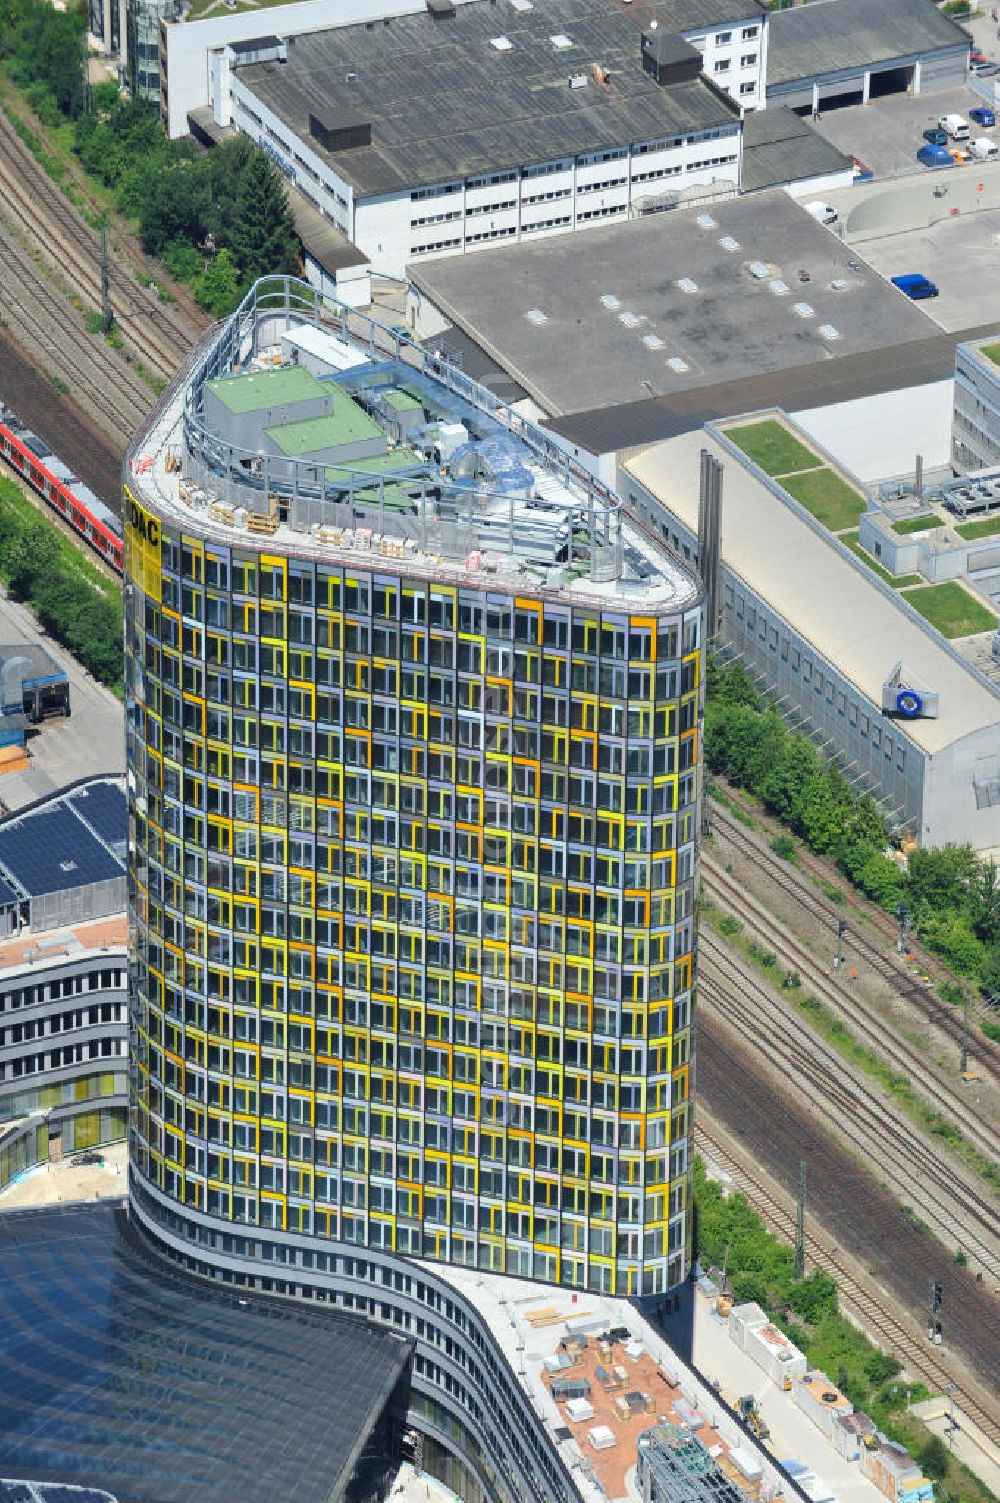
point(983, 115)
point(915, 285)
point(935, 156)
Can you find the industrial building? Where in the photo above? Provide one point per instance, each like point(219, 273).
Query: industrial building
point(461, 127)
point(755, 285)
point(909, 715)
point(843, 52)
point(63, 971)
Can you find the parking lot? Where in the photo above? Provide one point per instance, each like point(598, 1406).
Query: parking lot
point(960, 255)
point(91, 740)
point(886, 134)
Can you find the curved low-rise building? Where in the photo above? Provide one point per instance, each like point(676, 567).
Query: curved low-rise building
point(414, 771)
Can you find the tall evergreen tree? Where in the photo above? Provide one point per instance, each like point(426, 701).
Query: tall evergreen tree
point(264, 242)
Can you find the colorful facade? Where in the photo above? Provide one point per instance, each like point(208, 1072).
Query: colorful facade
point(414, 870)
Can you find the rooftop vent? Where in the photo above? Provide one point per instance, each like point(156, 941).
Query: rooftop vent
point(838, 284)
point(560, 41)
point(67, 866)
point(502, 44)
point(677, 365)
point(536, 316)
point(340, 130)
point(441, 9)
point(829, 332)
point(610, 301)
point(728, 243)
point(804, 310)
point(668, 58)
point(687, 284)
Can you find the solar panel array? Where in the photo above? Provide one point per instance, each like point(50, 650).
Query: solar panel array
point(71, 840)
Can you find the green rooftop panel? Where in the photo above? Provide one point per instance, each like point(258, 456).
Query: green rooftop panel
point(376, 464)
point(346, 423)
point(258, 390)
point(402, 401)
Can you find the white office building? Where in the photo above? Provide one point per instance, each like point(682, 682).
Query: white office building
point(467, 125)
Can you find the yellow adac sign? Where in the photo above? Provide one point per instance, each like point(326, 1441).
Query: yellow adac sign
point(142, 546)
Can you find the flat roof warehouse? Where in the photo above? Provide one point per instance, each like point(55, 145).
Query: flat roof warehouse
point(441, 100)
point(729, 291)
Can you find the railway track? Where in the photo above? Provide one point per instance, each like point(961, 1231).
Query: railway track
point(978, 1127)
point(940, 1190)
point(873, 1308)
point(40, 318)
point(882, 959)
point(159, 335)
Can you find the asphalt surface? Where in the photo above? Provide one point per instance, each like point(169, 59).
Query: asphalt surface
point(959, 254)
point(56, 419)
point(886, 134)
point(90, 740)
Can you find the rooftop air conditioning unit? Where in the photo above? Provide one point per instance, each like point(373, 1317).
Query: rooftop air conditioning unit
point(577, 80)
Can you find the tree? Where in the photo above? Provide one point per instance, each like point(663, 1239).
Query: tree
point(263, 239)
point(814, 1297)
point(984, 902)
point(822, 816)
point(949, 935)
point(880, 879)
point(736, 687)
point(934, 1458)
point(989, 975)
point(787, 782)
point(940, 877)
point(217, 289)
point(173, 207)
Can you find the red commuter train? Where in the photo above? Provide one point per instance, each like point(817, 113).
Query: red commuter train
point(88, 516)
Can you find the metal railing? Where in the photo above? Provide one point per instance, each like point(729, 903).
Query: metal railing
point(576, 522)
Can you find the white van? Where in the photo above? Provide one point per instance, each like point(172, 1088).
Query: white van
point(983, 149)
point(955, 126)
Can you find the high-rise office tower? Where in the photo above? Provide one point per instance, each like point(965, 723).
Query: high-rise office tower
point(413, 760)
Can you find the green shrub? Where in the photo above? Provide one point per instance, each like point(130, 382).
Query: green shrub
point(73, 601)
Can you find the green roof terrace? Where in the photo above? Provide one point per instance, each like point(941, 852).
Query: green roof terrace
point(256, 391)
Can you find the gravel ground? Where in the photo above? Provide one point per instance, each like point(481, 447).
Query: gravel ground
point(884, 999)
point(77, 441)
point(66, 1181)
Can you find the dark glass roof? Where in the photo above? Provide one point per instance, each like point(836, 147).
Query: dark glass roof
point(48, 850)
point(119, 1373)
point(102, 805)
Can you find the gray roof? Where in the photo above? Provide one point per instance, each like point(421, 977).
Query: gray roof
point(780, 147)
point(605, 429)
point(121, 1372)
point(444, 104)
point(689, 15)
point(588, 353)
point(829, 36)
point(830, 599)
point(328, 246)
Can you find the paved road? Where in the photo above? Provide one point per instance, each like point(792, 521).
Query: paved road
point(91, 740)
